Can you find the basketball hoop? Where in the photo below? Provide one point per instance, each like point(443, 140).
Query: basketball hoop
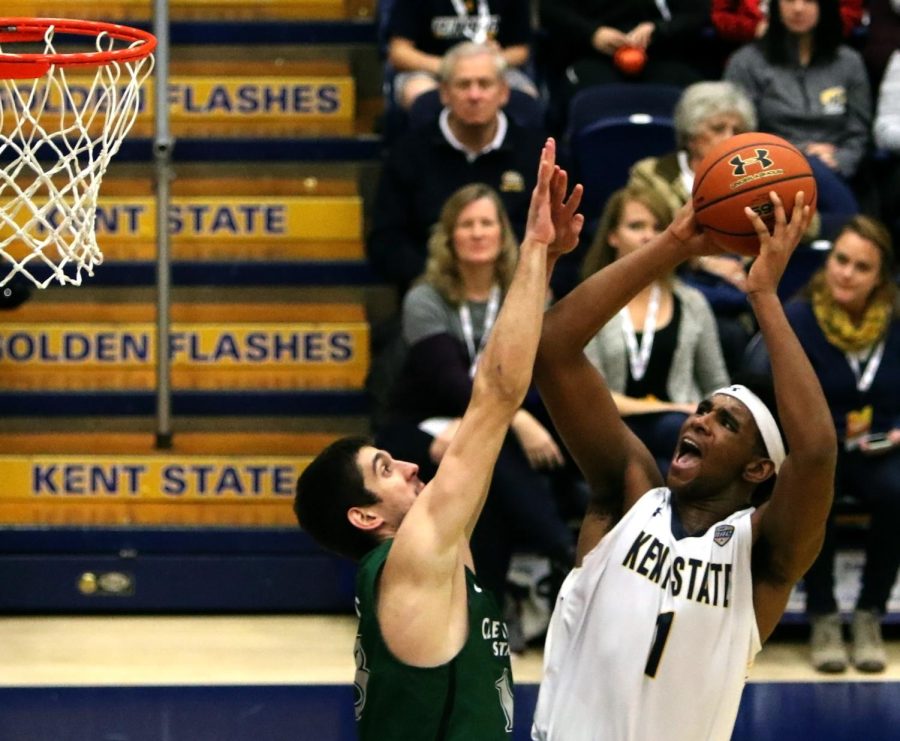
point(63, 115)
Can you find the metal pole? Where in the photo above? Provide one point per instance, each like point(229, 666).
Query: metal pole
point(162, 153)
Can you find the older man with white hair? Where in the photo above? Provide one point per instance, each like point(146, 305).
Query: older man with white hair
point(471, 141)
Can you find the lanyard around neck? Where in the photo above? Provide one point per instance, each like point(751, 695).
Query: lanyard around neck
point(465, 319)
point(865, 376)
point(664, 11)
point(480, 33)
point(639, 356)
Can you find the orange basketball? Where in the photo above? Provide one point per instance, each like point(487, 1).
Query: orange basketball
point(741, 171)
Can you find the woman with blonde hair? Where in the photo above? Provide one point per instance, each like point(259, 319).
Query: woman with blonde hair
point(446, 319)
point(660, 355)
point(457, 278)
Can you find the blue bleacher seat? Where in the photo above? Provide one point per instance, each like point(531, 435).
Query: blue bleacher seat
point(610, 127)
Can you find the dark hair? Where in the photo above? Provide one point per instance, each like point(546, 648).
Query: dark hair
point(326, 490)
point(779, 48)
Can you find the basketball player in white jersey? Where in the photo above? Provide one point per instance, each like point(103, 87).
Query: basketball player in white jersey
point(677, 586)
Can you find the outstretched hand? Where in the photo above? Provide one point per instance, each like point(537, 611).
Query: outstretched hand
point(539, 226)
point(566, 221)
point(552, 218)
point(776, 247)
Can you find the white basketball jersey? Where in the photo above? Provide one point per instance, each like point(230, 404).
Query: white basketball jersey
point(652, 636)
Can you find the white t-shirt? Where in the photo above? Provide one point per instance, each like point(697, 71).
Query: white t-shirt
point(652, 636)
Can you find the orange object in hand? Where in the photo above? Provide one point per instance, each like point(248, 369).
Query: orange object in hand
point(630, 59)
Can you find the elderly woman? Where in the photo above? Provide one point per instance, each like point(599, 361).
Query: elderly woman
point(446, 319)
point(707, 113)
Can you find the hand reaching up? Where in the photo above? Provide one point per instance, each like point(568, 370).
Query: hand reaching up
point(566, 221)
point(776, 248)
point(552, 218)
point(539, 225)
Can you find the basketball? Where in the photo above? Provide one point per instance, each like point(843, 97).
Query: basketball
point(741, 171)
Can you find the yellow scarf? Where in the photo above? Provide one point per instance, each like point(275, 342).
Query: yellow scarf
point(839, 328)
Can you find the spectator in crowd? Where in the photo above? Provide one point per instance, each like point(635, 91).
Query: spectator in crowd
point(882, 34)
point(446, 320)
point(742, 21)
point(706, 114)
point(812, 90)
point(583, 37)
point(887, 137)
point(849, 325)
point(660, 354)
point(420, 32)
point(473, 141)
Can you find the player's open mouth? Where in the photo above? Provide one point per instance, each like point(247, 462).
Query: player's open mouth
point(688, 451)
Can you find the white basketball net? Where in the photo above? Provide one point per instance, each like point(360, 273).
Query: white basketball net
point(58, 134)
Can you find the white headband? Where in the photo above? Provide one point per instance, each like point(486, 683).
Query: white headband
point(768, 428)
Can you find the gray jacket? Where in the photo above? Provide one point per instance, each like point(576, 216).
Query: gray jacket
point(697, 365)
point(887, 120)
point(828, 102)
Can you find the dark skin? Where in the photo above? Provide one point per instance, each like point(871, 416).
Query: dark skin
point(719, 460)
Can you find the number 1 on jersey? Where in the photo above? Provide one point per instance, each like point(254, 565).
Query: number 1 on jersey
point(663, 626)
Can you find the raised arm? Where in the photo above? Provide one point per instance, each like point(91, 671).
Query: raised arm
point(423, 579)
point(789, 528)
point(616, 465)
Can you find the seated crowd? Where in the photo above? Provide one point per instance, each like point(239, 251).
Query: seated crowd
point(451, 204)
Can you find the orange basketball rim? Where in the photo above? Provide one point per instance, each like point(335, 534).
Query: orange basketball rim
point(27, 65)
point(70, 91)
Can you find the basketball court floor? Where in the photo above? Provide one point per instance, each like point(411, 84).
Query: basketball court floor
point(280, 678)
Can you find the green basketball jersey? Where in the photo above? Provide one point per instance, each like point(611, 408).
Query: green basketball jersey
point(468, 699)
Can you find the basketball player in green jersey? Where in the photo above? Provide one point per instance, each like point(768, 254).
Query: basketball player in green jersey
point(432, 655)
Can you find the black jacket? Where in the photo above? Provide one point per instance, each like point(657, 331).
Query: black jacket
point(422, 170)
